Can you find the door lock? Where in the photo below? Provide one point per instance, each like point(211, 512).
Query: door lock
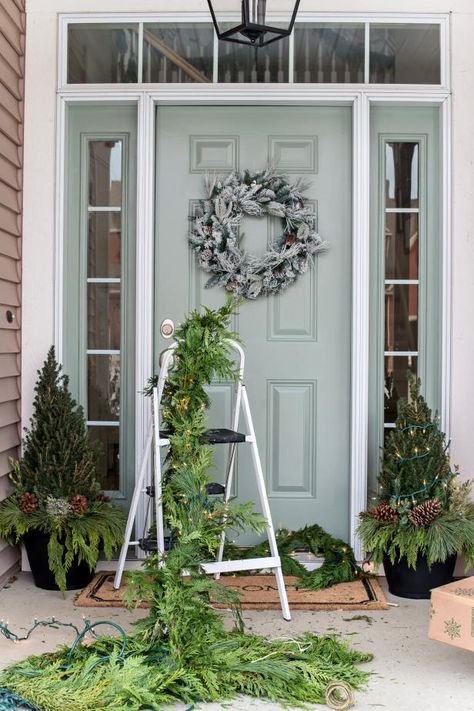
point(167, 328)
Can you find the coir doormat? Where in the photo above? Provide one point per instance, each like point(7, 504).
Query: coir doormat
point(260, 592)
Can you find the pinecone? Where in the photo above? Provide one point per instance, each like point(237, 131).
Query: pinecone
point(424, 513)
point(384, 513)
point(28, 503)
point(79, 504)
point(103, 498)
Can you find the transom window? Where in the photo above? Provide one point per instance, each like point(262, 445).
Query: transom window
point(188, 52)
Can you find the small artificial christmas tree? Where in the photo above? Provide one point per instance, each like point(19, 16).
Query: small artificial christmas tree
point(415, 464)
point(59, 459)
point(420, 508)
point(56, 491)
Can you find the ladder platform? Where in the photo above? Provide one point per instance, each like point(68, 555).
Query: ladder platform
point(222, 436)
point(212, 489)
point(214, 436)
point(150, 545)
point(232, 566)
point(215, 489)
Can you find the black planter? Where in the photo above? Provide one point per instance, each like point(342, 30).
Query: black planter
point(416, 584)
point(36, 543)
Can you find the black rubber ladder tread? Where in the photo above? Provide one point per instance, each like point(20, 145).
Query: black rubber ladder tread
point(216, 436)
point(222, 436)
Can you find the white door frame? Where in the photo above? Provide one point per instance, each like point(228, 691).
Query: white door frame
point(360, 100)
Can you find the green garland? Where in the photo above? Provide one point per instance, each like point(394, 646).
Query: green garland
point(339, 564)
point(182, 651)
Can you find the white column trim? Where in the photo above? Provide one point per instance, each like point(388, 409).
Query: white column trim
point(144, 290)
point(360, 316)
point(446, 266)
point(60, 167)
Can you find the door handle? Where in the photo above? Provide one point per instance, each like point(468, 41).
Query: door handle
point(167, 328)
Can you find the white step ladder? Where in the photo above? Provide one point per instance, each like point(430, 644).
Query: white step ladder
point(215, 436)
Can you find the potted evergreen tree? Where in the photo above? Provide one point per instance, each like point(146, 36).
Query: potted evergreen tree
point(422, 516)
point(56, 508)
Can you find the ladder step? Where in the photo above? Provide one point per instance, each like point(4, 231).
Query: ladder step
point(149, 545)
point(215, 489)
point(222, 436)
point(233, 566)
point(214, 436)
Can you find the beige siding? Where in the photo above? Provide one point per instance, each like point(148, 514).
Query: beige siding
point(12, 42)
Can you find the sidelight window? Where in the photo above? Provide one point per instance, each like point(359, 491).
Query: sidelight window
point(401, 278)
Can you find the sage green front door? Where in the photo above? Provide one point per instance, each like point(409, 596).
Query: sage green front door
point(298, 344)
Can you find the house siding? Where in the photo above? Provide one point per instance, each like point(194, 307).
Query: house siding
point(12, 43)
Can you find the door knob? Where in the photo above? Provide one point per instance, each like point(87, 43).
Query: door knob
point(167, 328)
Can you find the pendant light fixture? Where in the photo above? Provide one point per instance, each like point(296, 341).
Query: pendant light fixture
point(252, 29)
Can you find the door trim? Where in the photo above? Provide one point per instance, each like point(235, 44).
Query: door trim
point(360, 100)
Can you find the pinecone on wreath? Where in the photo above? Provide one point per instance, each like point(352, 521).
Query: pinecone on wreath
point(384, 513)
point(79, 504)
point(28, 503)
point(425, 513)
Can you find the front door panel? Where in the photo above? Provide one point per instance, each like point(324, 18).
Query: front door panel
point(298, 343)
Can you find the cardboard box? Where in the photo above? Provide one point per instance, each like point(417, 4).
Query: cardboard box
point(452, 614)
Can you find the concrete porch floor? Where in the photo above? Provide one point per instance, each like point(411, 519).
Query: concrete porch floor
point(409, 671)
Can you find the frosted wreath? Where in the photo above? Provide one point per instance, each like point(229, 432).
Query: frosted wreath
point(216, 239)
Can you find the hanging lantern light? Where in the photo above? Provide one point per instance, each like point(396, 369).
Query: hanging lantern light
point(252, 28)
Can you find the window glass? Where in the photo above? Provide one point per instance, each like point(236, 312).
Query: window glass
point(405, 54)
point(108, 439)
point(329, 53)
point(401, 245)
point(103, 316)
point(105, 173)
point(401, 174)
point(396, 383)
point(103, 387)
point(240, 63)
point(401, 317)
point(102, 53)
point(104, 245)
point(178, 53)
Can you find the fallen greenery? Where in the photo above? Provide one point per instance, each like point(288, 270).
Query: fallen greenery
point(181, 651)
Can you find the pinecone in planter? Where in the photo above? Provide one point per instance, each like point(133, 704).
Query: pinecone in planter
point(28, 503)
point(79, 504)
point(384, 513)
point(103, 498)
point(424, 513)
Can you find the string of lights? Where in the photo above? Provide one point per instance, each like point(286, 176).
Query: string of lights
point(436, 481)
point(89, 628)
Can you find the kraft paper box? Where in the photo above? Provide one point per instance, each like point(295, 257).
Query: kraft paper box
point(452, 614)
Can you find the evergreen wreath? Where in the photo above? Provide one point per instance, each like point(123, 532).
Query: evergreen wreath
point(339, 564)
point(216, 240)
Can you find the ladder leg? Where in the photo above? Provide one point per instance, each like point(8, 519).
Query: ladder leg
point(160, 536)
point(230, 467)
point(133, 512)
point(265, 505)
